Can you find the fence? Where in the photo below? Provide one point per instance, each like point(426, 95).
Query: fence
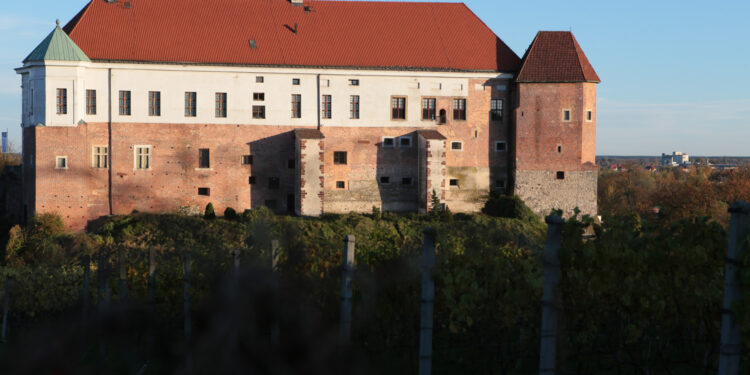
point(552, 304)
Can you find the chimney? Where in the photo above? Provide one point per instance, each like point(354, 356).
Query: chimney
point(296, 2)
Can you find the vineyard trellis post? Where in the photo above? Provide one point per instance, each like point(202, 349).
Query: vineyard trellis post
point(730, 349)
point(347, 277)
point(550, 299)
point(6, 306)
point(428, 300)
point(276, 325)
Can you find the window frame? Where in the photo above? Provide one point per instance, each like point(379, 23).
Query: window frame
point(148, 157)
point(204, 158)
point(496, 114)
point(65, 161)
point(296, 105)
point(91, 102)
point(354, 101)
point(259, 112)
point(125, 102)
point(505, 146)
point(405, 137)
point(154, 103)
point(411, 181)
point(393, 145)
point(338, 156)
point(459, 114)
point(259, 96)
point(207, 191)
point(457, 182)
point(191, 104)
point(589, 115)
point(259, 79)
point(98, 157)
point(428, 109)
point(560, 175)
point(386, 182)
point(460, 145)
point(343, 185)
point(326, 106)
point(296, 81)
point(247, 159)
point(394, 108)
point(566, 112)
point(221, 105)
point(62, 101)
point(354, 82)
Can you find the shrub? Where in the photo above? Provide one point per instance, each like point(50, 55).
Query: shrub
point(230, 214)
point(210, 213)
point(512, 207)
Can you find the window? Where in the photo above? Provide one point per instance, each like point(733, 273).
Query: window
point(443, 117)
point(340, 185)
point(190, 104)
point(100, 157)
point(251, 180)
point(454, 182)
point(296, 106)
point(496, 110)
point(459, 109)
point(398, 108)
point(204, 191)
point(406, 181)
point(385, 180)
point(271, 203)
point(499, 184)
point(354, 82)
point(204, 158)
point(389, 142)
point(154, 103)
point(259, 111)
point(339, 157)
point(559, 149)
point(589, 115)
point(90, 102)
point(501, 146)
point(404, 142)
point(247, 160)
point(124, 103)
point(458, 146)
point(258, 79)
point(566, 115)
point(62, 101)
point(428, 108)
point(326, 106)
point(142, 157)
point(221, 104)
point(354, 107)
point(291, 164)
point(560, 175)
point(259, 96)
point(295, 81)
point(61, 162)
point(274, 183)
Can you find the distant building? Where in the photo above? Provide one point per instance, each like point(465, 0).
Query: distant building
point(675, 159)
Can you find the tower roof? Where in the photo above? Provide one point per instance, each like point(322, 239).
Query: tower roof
point(555, 56)
point(359, 34)
point(57, 46)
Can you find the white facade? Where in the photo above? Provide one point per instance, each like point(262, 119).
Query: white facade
point(375, 90)
point(675, 159)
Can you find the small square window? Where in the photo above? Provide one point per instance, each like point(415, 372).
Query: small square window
point(406, 181)
point(354, 82)
point(291, 164)
point(385, 180)
point(457, 146)
point(295, 81)
point(274, 183)
point(499, 184)
point(339, 157)
point(61, 162)
point(259, 111)
point(258, 79)
point(340, 185)
point(259, 96)
point(389, 142)
point(501, 146)
point(247, 159)
point(454, 182)
point(404, 141)
point(204, 191)
point(251, 180)
point(566, 115)
point(560, 175)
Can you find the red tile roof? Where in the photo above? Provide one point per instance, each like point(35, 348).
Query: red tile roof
point(365, 34)
point(555, 56)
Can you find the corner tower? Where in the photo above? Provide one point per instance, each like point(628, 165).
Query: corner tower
point(555, 134)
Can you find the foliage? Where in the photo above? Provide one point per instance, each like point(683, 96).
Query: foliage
point(501, 205)
point(210, 214)
point(230, 213)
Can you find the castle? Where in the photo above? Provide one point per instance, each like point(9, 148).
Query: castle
point(306, 107)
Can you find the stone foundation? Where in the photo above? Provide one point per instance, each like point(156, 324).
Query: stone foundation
point(543, 192)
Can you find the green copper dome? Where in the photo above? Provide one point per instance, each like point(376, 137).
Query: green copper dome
point(57, 46)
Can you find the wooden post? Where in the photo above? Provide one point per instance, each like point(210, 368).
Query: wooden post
point(729, 352)
point(6, 306)
point(186, 297)
point(550, 301)
point(86, 265)
point(347, 276)
point(151, 275)
point(123, 276)
point(275, 327)
point(428, 300)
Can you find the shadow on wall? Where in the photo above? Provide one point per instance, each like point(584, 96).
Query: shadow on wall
point(273, 172)
point(397, 173)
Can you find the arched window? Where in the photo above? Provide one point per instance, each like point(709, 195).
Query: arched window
point(441, 120)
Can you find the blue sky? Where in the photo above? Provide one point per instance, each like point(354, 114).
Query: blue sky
point(673, 72)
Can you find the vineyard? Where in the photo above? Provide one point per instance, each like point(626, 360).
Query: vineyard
point(161, 293)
